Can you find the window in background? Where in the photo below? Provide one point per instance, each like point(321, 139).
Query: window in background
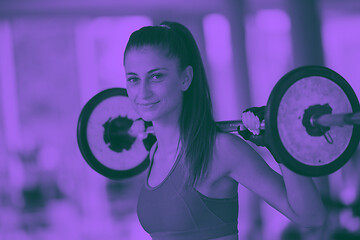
point(341, 39)
point(100, 47)
point(10, 113)
point(40, 99)
point(220, 58)
point(269, 51)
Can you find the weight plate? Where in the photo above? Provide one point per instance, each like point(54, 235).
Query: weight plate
point(289, 141)
point(111, 135)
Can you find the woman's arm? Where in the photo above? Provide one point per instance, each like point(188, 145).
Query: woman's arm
point(303, 198)
point(293, 195)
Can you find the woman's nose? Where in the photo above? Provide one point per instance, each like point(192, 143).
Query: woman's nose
point(145, 90)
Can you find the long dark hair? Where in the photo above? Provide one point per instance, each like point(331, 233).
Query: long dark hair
point(197, 125)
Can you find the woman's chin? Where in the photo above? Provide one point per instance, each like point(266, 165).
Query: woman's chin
point(147, 117)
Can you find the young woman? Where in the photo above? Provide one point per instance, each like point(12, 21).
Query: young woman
point(191, 188)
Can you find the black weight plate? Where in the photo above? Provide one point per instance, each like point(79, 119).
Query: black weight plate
point(111, 135)
point(289, 141)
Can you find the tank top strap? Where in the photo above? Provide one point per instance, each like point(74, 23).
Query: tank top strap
point(168, 176)
point(152, 151)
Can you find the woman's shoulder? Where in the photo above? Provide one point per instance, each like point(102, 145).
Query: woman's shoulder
point(232, 151)
point(227, 143)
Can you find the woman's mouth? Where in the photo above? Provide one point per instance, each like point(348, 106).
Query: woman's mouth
point(147, 105)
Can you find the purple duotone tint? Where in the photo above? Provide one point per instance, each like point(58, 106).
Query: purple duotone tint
point(55, 56)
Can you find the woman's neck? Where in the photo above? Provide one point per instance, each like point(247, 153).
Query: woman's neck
point(167, 135)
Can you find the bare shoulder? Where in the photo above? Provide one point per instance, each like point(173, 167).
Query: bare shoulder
point(230, 146)
point(237, 156)
point(224, 145)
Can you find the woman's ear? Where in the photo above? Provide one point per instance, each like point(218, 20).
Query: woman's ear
point(187, 78)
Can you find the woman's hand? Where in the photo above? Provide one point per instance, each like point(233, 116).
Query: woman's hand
point(251, 122)
point(252, 118)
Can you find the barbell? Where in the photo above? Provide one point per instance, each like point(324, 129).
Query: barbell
point(311, 125)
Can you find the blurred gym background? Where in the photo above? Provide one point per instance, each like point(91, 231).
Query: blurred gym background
point(56, 55)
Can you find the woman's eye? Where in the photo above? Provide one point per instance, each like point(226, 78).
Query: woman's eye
point(132, 80)
point(156, 76)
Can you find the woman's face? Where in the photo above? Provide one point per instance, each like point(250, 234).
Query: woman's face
point(154, 84)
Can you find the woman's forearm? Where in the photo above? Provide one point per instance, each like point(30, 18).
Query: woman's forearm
point(304, 198)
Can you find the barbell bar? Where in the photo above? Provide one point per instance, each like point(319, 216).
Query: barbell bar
point(326, 120)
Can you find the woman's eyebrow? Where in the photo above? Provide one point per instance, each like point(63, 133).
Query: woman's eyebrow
point(156, 69)
point(131, 73)
point(151, 71)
